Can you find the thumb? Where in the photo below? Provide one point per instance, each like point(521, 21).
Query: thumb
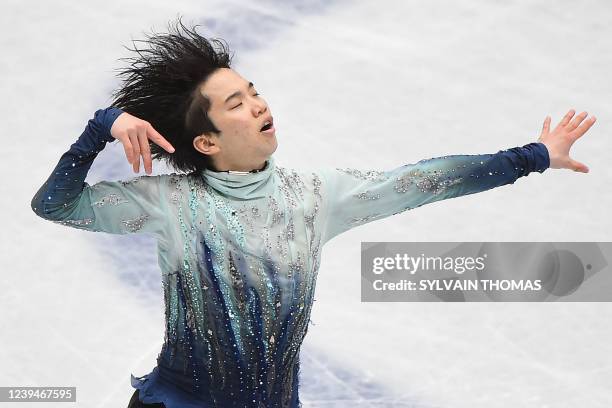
point(577, 166)
point(546, 126)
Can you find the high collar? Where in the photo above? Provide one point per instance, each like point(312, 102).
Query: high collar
point(247, 186)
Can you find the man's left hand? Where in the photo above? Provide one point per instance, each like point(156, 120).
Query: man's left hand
point(560, 140)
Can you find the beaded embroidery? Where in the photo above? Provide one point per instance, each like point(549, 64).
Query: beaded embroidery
point(365, 195)
point(136, 223)
point(111, 199)
point(431, 182)
point(131, 181)
point(86, 221)
point(372, 175)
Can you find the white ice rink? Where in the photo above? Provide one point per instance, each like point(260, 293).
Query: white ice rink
point(363, 84)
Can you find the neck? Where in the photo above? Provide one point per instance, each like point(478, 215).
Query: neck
point(242, 185)
point(239, 168)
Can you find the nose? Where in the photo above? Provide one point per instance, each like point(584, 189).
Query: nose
point(259, 107)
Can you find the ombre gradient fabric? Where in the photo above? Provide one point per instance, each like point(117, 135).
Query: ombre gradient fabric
point(239, 254)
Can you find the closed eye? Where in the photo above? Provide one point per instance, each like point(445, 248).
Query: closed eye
point(241, 102)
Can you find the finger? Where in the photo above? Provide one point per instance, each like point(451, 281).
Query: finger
point(576, 121)
point(144, 149)
point(546, 127)
point(127, 146)
point(159, 139)
point(568, 116)
point(586, 125)
point(135, 149)
point(579, 167)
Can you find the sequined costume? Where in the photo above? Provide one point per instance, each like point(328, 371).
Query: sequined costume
point(239, 254)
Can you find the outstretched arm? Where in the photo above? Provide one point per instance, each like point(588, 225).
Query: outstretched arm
point(117, 207)
point(355, 197)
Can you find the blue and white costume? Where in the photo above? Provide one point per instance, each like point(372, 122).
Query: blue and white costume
point(239, 254)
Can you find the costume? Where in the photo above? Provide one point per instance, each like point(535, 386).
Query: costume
point(239, 254)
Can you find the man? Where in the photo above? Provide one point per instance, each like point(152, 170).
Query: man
point(239, 237)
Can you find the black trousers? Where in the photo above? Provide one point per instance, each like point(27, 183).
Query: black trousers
point(135, 403)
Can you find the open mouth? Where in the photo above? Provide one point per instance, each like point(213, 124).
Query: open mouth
point(268, 127)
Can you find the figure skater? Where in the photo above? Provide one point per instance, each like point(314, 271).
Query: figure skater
point(240, 237)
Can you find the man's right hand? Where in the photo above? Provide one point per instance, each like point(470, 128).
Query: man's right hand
point(135, 134)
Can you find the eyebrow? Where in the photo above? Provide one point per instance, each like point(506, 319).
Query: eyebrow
point(237, 93)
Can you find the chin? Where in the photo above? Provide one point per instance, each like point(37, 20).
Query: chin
point(273, 150)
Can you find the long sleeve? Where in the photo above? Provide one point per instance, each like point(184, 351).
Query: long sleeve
point(117, 207)
point(355, 197)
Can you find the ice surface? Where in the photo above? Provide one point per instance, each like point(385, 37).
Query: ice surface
point(362, 84)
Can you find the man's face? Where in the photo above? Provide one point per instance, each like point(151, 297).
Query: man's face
point(239, 113)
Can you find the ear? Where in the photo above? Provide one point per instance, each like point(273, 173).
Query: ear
point(206, 144)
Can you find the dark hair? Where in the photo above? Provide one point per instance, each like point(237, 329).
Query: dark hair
point(162, 85)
